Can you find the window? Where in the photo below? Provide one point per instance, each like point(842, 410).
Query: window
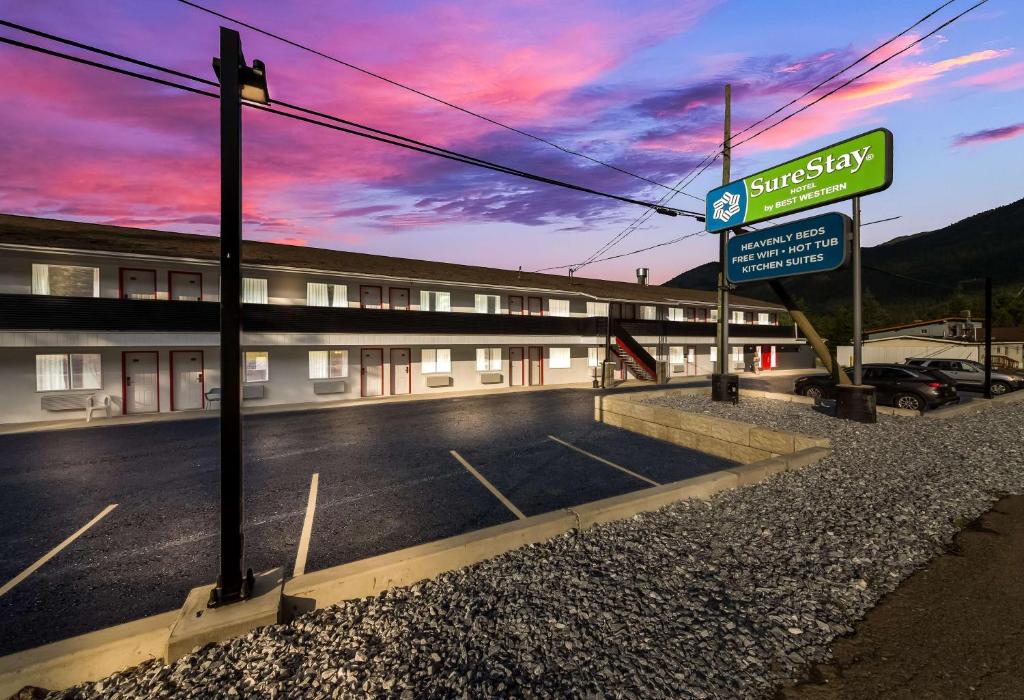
point(736, 317)
point(737, 356)
point(488, 304)
point(257, 367)
point(677, 355)
point(435, 360)
point(558, 358)
point(714, 354)
point(68, 371)
point(676, 314)
point(435, 301)
point(328, 364)
point(594, 357)
point(648, 313)
point(254, 290)
point(323, 294)
point(597, 308)
point(713, 315)
point(66, 280)
point(488, 359)
point(558, 307)
point(763, 318)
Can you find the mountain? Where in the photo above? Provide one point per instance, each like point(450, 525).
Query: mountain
point(910, 275)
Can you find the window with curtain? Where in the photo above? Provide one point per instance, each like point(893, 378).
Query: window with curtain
point(488, 304)
point(676, 355)
point(597, 308)
point(648, 313)
point(762, 318)
point(328, 364)
point(254, 290)
point(558, 307)
point(66, 280)
point(66, 371)
point(676, 314)
point(435, 301)
point(594, 356)
point(257, 366)
point(713, 315)
point(488, 359)
point(559, 358)
point(436, 360)
point(714, 354)
point(736, 317)
point(324, 294)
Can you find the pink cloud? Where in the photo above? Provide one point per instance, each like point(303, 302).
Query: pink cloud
point(1007, 78)
point(989, 135)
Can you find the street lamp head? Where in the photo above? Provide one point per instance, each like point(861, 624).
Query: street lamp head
point(252, 80)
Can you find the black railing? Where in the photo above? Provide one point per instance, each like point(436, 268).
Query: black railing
point(29, 312)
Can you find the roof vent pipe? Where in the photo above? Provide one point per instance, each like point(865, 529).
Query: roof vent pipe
point(641, 276)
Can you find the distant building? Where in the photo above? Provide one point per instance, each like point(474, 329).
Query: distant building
point(950, 328)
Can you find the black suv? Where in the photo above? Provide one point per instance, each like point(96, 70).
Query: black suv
point(895, 385)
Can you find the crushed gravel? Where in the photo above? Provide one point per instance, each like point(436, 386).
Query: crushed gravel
point(725, 598)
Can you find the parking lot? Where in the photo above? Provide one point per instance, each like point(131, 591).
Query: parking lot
point(102, 526)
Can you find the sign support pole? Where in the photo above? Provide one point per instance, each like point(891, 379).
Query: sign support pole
point(857, 401)
point(720, 381)
point(988, 337)
point(858, 320)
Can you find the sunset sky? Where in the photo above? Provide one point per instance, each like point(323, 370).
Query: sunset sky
point(636, 83)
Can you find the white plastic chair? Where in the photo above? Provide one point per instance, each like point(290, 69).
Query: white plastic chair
point(97, 402)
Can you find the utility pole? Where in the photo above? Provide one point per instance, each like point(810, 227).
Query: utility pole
point(723, 378)
point(857, 401)
point(988, 337)
point(232, 584)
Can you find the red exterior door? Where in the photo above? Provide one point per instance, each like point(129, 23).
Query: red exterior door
point(536, 366)
point(515, 305)
point(398, 298)
point(369, 297)
point(184, 286)
point(535, 306)
point(138, 284)
point(516, 367)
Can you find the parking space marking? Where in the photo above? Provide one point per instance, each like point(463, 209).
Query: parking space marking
point(602, 460)
point(307, 528)
point(488, 485)
point(55, 551)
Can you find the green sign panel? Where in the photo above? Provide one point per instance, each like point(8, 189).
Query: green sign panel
point(851, 168)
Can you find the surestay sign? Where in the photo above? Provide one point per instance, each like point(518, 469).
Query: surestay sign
point(858, 166)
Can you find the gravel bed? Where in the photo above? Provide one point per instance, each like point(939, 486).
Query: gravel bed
point(726, 598)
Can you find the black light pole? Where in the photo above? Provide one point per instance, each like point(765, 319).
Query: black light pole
point(236, 80)
point(988, 337)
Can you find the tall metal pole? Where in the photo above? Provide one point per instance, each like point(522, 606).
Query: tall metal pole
point(232, 585)
point(988, 337)
point(858, 321)
point(723, 245)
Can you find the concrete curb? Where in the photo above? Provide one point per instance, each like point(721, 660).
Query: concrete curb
point(977, 406)
point(89, 657)
point(96, 655)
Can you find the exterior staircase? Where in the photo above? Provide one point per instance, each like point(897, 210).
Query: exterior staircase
point(637, 360)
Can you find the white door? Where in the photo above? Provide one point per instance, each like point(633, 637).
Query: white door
point(516, 368)
point(187, 380)
point(400, 377)
point(399, 298)
point(536, 366)
point(141, 382)
point(138, 284)
point(185, 286)
point(372, 372)
point(369, 297)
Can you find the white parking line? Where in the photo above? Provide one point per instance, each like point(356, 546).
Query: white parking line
point(488, 485)
point(602, 460)
point(307, 528)
point(55, 551)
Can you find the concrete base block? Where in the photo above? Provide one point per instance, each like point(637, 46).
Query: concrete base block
point(758, 471)
point(199, 625)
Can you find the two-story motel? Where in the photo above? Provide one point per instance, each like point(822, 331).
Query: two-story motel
point(107, 314)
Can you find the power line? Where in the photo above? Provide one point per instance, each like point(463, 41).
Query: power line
point(629, 229)
point(367, 131)
point(862, 74)
point(428, 96)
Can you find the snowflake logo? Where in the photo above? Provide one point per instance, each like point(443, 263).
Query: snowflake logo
point(727, 206)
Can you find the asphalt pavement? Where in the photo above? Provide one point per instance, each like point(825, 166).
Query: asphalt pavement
point(387, 480)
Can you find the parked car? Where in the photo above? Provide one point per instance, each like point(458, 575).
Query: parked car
point(968, 374)
point(895, 385)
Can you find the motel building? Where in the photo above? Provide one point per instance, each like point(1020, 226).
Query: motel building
point(126, 319)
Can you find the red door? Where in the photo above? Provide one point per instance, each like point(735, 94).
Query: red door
point(536, 366)
point(516, 367)
point(535, 306)
point(138, 284)
point(184, 286)
point(398, 298)
point(515, 305)
point(369, 297)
